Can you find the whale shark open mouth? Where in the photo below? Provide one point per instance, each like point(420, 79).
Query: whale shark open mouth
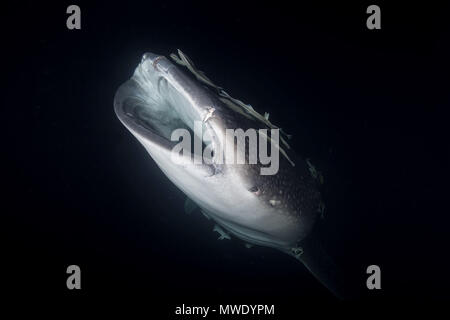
point(151, 105)
point(161, 122)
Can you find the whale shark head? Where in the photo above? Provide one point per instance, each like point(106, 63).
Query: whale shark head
point(275, 210)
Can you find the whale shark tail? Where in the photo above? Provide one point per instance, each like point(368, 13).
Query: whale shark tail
point(324, 268)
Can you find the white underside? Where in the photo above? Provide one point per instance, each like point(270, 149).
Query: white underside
point(227, 202)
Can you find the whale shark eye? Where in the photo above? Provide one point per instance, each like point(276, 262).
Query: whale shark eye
point(254, 189)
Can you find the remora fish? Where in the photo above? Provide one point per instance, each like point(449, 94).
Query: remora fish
point(276, 211)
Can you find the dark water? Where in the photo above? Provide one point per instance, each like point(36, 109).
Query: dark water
point(368, 107)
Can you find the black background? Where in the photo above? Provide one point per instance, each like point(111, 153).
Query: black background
point(369, 107)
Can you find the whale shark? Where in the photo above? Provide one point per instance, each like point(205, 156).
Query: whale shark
point(276, 211)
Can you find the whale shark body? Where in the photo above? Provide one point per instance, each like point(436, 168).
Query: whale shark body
point(276, 211)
